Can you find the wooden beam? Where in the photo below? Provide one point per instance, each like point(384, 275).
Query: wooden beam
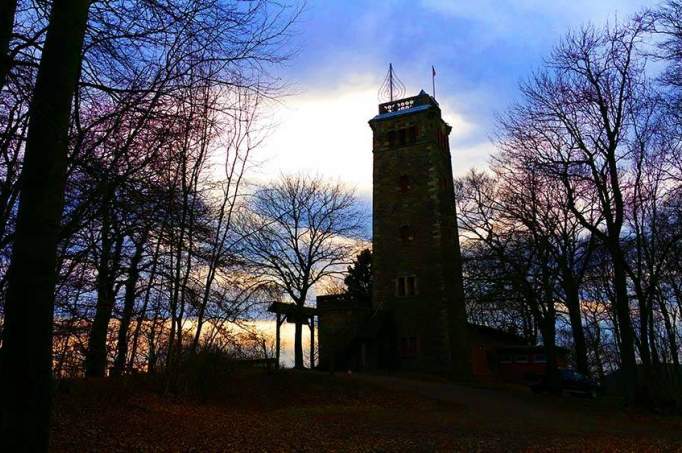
point(312, 342)
point(277, 341)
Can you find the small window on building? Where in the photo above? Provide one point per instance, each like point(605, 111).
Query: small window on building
point(402, 137)
point(505, 358)
point(406, 286)
point(411, 286)
point(404, 183)
point(408, 346)
point(392, 138)
point(406, 234)
point(400, 287)
point(412, 135)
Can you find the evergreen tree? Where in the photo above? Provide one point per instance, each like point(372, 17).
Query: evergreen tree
point(359, 279)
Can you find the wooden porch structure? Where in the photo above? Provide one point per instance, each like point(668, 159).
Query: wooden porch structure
point(293, 314)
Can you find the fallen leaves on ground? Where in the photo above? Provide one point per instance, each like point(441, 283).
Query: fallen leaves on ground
point(311, 412)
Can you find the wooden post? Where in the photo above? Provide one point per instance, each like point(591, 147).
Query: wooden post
point(312, 342)
point(277, 341)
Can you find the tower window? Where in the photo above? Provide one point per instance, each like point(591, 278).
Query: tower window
point(392, 135)
point(402, 137)
point(411, 287)
point(406, 234)
point(412, 135)
point(406, 286)
point(404, 183)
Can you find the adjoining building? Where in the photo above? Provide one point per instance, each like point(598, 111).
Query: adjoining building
point(416, 319)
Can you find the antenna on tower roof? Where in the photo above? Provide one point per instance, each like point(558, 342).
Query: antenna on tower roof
point(392, 88)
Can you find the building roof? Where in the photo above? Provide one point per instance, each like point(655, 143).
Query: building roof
point(496, 335)
point(292, 312)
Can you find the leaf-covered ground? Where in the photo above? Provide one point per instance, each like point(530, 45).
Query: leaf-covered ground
point(289, 411)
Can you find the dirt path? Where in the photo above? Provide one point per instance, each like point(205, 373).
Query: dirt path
point(518, 409)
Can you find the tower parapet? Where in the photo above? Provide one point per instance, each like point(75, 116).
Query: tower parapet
point(422, 100)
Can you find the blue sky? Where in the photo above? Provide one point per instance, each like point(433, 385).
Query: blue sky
point(481, 51)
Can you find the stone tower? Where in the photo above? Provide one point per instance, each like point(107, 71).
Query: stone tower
point(417, 263)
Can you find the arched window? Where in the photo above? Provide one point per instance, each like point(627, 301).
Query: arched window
point(412, 135)
point(392, 136)
point(406, 286)
point(402, 137)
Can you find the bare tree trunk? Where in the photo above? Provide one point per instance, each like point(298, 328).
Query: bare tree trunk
point(574, 314)
point(143, 310)
point(128, 305)
point(547, 319)
point(174, 282)
point(7, 10)
point(597, 352)
point(549, 340)
point(622, 309)
point(151, 359)
point(298, 346)
point(670, 332)
point(96, 356)
point(644, 350)
point(26, 368)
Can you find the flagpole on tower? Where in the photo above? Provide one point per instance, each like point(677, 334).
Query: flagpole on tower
point(433, 81)
point(390, 80)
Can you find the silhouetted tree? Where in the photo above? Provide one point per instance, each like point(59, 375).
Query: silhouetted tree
point(301, 231)
point(26, 362)
point(359, 277)
point(576, 120)
point(7, 11)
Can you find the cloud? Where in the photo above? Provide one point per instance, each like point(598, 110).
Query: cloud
point(325, 132)
point(466, 157)
point(509, 12)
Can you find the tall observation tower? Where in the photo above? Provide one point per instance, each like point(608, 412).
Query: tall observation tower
point(417, 262)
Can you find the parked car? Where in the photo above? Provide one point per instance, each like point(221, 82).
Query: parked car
point(572, 382)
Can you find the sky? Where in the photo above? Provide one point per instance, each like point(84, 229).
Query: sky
point(481, 50)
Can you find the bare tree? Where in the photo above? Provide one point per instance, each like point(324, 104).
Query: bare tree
point(577, 118)
point(302, 230)
point(242, 139)
point(516, 226)
point(26, 362)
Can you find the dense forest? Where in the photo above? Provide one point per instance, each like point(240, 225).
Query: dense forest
point(132, 233)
